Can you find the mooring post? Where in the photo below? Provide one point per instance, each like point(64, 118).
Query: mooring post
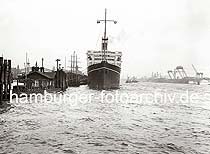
point(61, 80)
point(9, 79)
point(17, 86)
point(5, 80)
point(58, 79)
point(66, 83)
point(1, 77)
point(57, 74)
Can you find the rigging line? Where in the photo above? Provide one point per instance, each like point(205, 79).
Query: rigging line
point(85, 69)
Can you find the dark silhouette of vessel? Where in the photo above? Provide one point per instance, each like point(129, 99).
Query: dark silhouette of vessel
point(104, 66)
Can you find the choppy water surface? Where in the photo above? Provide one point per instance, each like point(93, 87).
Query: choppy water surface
point(101, 127)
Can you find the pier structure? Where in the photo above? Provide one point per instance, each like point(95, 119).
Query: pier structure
point(60, 77)
point(5, 79)
point(39, 78)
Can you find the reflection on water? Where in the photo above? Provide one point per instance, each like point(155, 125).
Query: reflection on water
point(104, 127)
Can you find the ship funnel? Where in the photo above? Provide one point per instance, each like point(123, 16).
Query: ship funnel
point(104, 45)
point(42, 62)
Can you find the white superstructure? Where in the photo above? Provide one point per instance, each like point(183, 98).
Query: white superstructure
point(112, 57)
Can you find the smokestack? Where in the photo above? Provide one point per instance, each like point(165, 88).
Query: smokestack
point(42, 62)
point(42, 68)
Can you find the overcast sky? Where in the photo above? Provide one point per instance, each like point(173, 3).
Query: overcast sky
point(154, 35)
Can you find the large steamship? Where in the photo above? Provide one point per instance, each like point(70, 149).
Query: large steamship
point(104, 66)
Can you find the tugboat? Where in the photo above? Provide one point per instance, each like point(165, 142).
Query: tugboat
point(131, 80)
point(104, 66)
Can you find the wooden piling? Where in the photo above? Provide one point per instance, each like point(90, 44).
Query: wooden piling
point(1, 78)
point(9, 79)
point(5, 80)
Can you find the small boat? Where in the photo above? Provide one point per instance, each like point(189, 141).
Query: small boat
point(131, 80)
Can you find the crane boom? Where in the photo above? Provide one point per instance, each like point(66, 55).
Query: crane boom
point(194, 69)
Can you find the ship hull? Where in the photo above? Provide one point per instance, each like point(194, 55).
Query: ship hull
point(103, 76)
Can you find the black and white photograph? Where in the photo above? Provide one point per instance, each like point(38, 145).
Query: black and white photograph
point(104, 77)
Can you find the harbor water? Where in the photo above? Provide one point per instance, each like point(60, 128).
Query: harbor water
point(106, 125)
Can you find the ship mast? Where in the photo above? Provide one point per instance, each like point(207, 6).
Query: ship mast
point(105, 38)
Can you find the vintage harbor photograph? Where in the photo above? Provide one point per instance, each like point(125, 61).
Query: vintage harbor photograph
point(104, 77)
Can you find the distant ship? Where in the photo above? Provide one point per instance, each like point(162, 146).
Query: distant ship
point(104, 66)
point(131, 80)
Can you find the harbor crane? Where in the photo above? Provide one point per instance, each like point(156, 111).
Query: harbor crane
point(171, 74)
point(178, 70)
point(198, 74)
point(181, 71)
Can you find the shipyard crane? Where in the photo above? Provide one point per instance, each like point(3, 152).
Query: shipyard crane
point(173, 76)
point(198, 74)
point(181, 71)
